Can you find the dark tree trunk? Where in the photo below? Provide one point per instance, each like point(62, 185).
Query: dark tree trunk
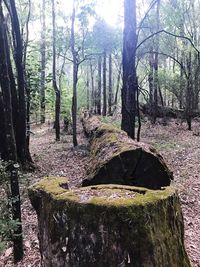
point(189, 92)
point(92, 87)
point(55, 86)
point(88, 89)
point(18, 56)
point(3, 150)
point(75, 79)
point(11, 152)
point(130, 86)
point(43, 63)
point(104, 85)
point(14, 95)
point(155, 66)
point(150, 80)
point(99, 87)
point(110, 86)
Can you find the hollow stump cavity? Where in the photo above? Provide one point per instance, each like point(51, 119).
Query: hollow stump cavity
point(108, 226)
point(117, 159)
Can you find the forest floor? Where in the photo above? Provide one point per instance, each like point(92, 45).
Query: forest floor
point(180, 148)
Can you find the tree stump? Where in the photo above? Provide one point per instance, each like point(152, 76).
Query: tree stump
point(108, 226)
point(117, 159)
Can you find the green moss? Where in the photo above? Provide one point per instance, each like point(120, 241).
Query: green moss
point(51, 185)
point(146, 196)
point(108, 128)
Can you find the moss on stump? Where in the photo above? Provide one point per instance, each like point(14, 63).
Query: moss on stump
point(108, 226)
point(117, 159)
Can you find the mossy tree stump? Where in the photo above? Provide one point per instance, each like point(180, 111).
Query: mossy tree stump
point(108, 226)
point(117, 159)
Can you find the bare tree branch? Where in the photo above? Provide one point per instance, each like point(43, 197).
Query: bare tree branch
point(168, 33)
point(173, 58)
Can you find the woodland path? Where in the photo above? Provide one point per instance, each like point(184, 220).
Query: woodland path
point(180, 148)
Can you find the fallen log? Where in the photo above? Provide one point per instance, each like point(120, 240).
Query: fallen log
point(108, 225)
point(117, 159)
point(167, 112)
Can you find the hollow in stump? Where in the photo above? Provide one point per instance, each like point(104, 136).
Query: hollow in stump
point(117, 159)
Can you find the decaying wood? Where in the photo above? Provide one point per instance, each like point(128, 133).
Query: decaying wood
point(108, 225)
point(167, 112)
point(117, 159)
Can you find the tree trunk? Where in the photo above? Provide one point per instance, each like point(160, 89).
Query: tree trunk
point(55, 86)
point(75, 79)
point(189, 91)
point(110, 86)
point(9, 138)
point(18, 56)
point(150, 80)
point(130, 86)
point(3, 149)
point(88, 89)
point(109, 226)
point(155, 66)
point(104, 85)
point(99, 87)
point(117, 159)
point(118, 85)
point(43, 62)
point(93, 89)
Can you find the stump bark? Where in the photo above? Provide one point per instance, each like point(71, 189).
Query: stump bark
point(117, 159)
point(108, 225)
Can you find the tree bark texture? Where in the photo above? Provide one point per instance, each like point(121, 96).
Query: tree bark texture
point(43, 63)
point(75, 79)
point(104, 112)
point(18, 46)
point(99, 86)
point(110, 95)
point(9, 138)
point(93, 97)
point(130, 86)
point(55, 86)
point(109, 225)
point(117, 159)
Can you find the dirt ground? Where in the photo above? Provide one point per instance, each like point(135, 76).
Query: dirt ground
point(180, 148)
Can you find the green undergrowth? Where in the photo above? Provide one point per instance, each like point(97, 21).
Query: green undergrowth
point(164, 146)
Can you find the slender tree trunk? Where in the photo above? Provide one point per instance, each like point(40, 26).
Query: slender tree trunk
point(75, 79)
point(55, 86)
point(155, 66)
point(150, 80)
point(129, 88)
point(10, 142)
point(118, 84)
point(104, 85)
point(99, 87)
point(3, 153)
point(88, 89)
point(18, 56)
point(93, 89)
point(43, 63)
point(189, 90)
point(110, 86)
point(27, 84)
point(14, 95)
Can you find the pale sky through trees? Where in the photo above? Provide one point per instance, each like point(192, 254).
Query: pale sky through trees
point(109, 10)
